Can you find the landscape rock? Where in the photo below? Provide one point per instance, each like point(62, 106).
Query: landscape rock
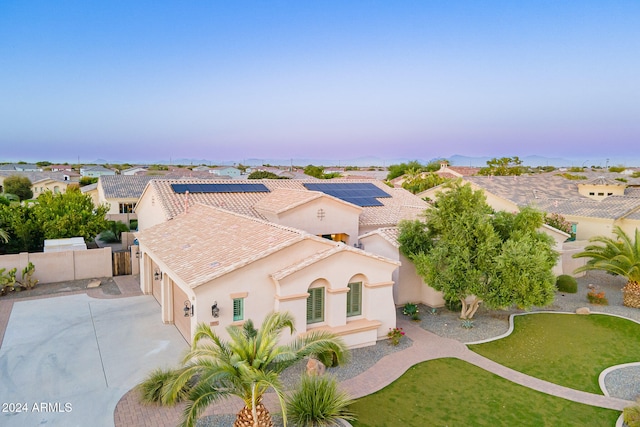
point(583, 310)
point(94, 284)
point(315, 367)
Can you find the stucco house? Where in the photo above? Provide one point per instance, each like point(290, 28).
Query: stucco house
point(280, 240)
point(593, 206)
point(56, 182)
point(95, 171)
point(229, 171)
point(135, 170)
point(219, 267)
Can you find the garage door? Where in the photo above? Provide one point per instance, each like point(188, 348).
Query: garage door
point(182, 323)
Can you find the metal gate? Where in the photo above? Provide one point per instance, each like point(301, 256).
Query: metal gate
point(121, 263)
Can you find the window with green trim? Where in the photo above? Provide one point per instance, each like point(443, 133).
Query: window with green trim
point(354, 299)
point(238, 309)
point(315, 305)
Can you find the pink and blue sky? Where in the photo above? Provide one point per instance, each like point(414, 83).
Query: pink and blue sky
point(153, 80)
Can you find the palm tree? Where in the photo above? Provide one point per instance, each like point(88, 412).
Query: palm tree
point(246, 366)
point(619, 256)
point(4, 236)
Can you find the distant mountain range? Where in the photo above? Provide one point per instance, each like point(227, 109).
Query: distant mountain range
point(455, 160)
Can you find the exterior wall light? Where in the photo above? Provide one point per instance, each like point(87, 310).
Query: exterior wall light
point(215, 311)
point(157, 275)
point(188, 309)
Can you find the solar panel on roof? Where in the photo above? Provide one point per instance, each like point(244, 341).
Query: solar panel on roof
point(219, 188)
point(358, 193)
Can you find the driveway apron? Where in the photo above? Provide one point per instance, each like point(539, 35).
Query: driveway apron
point(67, 361)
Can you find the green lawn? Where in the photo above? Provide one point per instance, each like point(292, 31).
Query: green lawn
point(569, 350)
point(450, 392)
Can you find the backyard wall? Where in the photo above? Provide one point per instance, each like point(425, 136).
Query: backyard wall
point(55, 267)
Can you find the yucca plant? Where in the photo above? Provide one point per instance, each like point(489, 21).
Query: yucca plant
point(318, 402)
point(619, 256)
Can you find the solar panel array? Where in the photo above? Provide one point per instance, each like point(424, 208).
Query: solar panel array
point(360, 194)
point(219, 188)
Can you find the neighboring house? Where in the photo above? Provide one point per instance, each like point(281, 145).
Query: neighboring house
point(289, 236)
point(92, 191)
point(56, 182)
point(593, 206)
point(20, 167)
point(121, 192)
point(136, 170)
point(60, 168)
point(229, 171)
point(96, 171)
point(201, 168)
point(219, 267)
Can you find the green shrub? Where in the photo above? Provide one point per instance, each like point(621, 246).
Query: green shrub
point(411, 310)
point(454, 305)
point(566, 283)
point(114, 233)
point(154, 388)
point(133, 224)
point(317, 401)
point(631, 415)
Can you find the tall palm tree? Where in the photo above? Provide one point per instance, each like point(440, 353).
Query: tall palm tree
point(619, 256)
point(246, 366)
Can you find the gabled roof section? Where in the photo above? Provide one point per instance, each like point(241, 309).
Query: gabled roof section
point(338, 248)
point(601, 180)
point(283, 199)
point(390, 234)
point(521, 190)
point(123, 186)
point(613, 207)
point(206, 242)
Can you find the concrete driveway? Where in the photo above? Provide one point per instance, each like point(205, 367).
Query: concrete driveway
point(67, 361)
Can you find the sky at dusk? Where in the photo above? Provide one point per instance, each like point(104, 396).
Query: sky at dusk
point(153, 80)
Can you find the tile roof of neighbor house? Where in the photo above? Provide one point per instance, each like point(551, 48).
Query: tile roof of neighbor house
point(464, 170)
point(207, 242)
point(97, 168)
point(38, 176)
point(557, 194)
point(601, 180)
point(283, 199)
point(401, 205)
point(132, 186)
point(390, 234)
point(21, 167)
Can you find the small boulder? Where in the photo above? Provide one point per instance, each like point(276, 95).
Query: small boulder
point(94, 284)
point(583, 310)
point(315, 367)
